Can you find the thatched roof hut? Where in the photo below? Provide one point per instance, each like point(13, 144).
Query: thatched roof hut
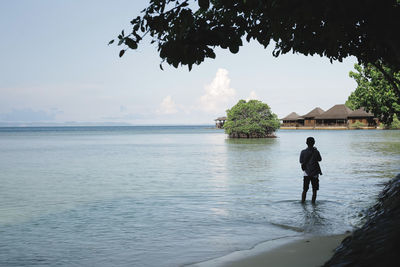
point(291, 120)
point(359, 118)
point(291, 117)
point(337, 117)
point(219, 122)
point(314, 113)
point(337, 112)
point(360, 113)
point(220, 119)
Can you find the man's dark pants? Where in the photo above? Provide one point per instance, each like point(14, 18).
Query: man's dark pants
point(314, 182)
point(306, 184)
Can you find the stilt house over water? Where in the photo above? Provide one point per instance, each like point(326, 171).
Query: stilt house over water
point(337, 117)
point(360, 115)
point(291, 120)
point(310, 117)
point(219, 122)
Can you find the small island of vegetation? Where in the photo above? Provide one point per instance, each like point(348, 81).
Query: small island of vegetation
point(251, 119)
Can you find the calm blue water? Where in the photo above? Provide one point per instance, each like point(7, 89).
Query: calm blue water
point(169, 196)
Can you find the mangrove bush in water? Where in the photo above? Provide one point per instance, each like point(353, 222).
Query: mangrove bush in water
point(252, 119)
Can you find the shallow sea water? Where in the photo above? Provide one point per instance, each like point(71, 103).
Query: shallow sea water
point(170, 196)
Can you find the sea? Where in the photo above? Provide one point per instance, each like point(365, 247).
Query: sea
point(176, 195)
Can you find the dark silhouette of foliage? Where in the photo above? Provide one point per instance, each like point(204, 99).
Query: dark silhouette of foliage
point(187, 31)
point(252, 119)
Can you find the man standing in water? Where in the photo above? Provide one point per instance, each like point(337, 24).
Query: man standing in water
point(309, 159)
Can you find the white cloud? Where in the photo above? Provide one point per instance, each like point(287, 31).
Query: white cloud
point(252, 96)
point(167, 106)
point(218, 93)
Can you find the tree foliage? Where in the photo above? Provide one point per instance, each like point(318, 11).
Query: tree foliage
point(188, 31)
point(375, 93)
point(252, 119)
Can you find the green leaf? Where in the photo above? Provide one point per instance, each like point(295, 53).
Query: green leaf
point(112, 41)
point(234, 48)
point(131, 44)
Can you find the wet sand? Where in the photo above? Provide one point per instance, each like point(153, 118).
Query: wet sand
point(376, 243)
point(313, 251)
point(298, 251)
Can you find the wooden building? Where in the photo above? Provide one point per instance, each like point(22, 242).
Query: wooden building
point(219, 122)
point(361, 116)
point(336, 116)
point(309, 118)
point(291, 120)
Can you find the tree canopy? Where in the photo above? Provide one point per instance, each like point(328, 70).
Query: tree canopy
point(252, 119)
point(375, 93)
point(188, 31)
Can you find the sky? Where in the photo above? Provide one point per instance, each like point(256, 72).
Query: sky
point(56, 67)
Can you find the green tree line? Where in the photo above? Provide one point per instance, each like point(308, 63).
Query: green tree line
point(376, 94)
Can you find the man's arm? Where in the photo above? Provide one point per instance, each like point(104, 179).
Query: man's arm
point(301, 157)
point(318, 155)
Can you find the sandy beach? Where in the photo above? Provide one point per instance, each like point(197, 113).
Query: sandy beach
point(298, 251)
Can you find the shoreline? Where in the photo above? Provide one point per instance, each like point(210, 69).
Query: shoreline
point(374, 244)
point(302, 251)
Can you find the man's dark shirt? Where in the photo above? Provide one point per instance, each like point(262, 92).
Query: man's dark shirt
point(312, 157)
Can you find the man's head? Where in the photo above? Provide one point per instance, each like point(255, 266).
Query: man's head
point(310, 141)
